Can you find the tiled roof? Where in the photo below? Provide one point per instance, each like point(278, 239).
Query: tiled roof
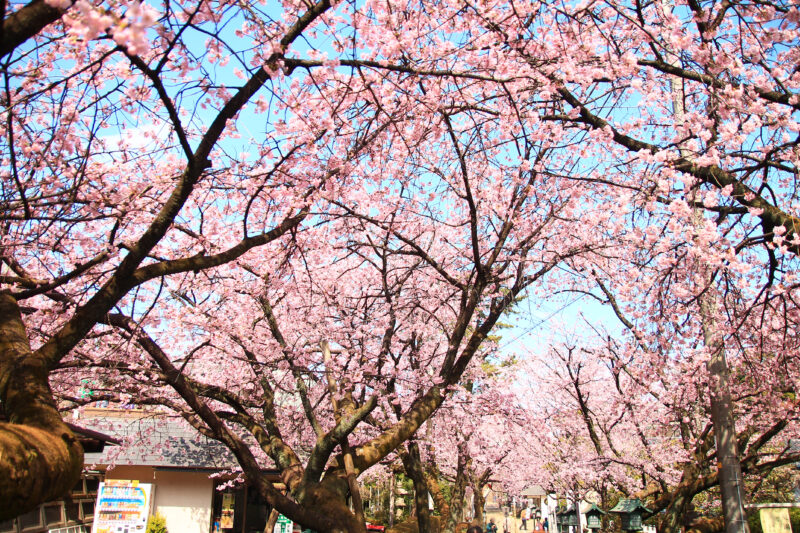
point(626, 505)
point(794, 447)
point(156, 441)
point(594, 509)
point(534, 490)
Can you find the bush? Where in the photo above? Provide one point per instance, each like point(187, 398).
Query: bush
point(157, 523)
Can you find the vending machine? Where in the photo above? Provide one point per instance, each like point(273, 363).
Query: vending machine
point(123, 506)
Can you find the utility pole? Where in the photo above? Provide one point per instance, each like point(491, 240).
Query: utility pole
point(730, 470)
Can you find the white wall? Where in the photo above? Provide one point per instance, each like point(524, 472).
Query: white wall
point(183, 498)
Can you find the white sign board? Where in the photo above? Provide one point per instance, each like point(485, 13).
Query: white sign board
point(123, 506)
point(775, 521)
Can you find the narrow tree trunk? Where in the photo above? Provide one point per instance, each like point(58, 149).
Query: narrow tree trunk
point(579, 521)
point(478, 502)
point(413, 465)
point(392, 497)
point(347, 453)
point(435, 490)
point(40, 458)
point(459, 489)
point(352, 481)
point(730, 470)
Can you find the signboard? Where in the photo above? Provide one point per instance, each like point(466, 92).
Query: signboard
point(123, 506)
point(283, 525)
point(226, 519)
point(775, 521)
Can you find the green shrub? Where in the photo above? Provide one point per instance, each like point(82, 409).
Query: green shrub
point(157, 523)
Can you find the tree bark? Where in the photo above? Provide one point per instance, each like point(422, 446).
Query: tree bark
point(706, 525)
point(731, 483)
point(271, 521)
point(435, 490)
point(730, 470)
point(40, 458)
point(672, 522)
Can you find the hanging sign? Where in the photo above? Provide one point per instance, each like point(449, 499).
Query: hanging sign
point(226, 519)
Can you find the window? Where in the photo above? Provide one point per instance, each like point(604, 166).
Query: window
point(88, 509)
point(30, 520)
point(92, 484)
point(52, 514)
point(72, 509)
point(78, 488)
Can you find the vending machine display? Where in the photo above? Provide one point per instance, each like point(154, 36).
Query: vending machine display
point(123, 506)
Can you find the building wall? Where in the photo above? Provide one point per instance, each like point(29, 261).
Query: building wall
point(183, 498)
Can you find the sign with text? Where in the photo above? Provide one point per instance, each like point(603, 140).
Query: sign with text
point(226, 520)
point(775, 521)
point(123, 506)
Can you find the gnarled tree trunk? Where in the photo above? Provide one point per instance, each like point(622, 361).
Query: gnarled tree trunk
point(40, 458)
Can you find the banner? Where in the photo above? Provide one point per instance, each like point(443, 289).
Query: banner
point(123, 506)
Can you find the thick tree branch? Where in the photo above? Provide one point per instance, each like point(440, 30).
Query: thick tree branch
point(26, 23)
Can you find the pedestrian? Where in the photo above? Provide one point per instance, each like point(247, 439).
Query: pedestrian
point(545, 525)
point(491, 527)
point(526, 514)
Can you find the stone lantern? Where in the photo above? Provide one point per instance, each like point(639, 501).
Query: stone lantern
point(594, 518)
point(630, 511)
point(561, 526)
point(567, 518)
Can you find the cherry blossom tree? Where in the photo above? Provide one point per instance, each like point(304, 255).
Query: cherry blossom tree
point(91, 211)
point(693, 103)
point(412, 211)
point(480, 437)
point(307, 218)
point(643, 428)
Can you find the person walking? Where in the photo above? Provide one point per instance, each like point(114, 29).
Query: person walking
point(545, 525)
point(526, 514)
point(491, 527)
